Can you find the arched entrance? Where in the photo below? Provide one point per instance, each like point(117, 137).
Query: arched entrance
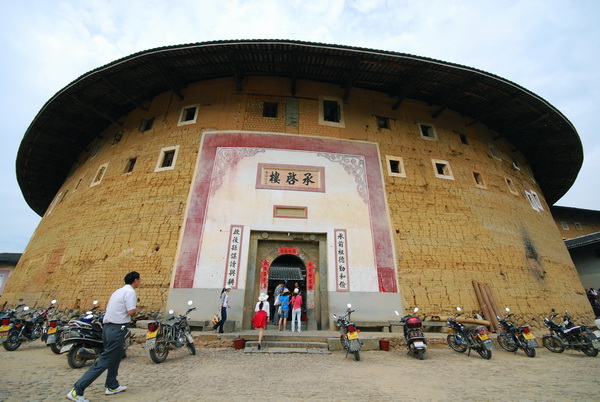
point(289, 270)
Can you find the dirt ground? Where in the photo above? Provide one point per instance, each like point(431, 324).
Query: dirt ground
point(34, 373)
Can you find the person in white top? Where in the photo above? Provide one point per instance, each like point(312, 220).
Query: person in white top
point(223, 305)
point(119, 310)
point(261, 317)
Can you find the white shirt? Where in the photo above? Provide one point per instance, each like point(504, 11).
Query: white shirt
point(265, 307)
point(121, 301)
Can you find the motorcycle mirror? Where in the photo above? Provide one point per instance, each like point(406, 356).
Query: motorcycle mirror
point(415, 310)
point(95, 302)
point(349, 305)
point(507, 309)
point(334, 316)
point(26, 308)
point(88, 312)
point(566, 311)
point(190, 303)
point(53, 301)
point(397, 313)
point(458, 309)
point(171, 311)
point(552, 310)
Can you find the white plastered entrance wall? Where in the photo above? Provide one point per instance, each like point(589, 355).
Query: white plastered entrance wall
point(233, 195)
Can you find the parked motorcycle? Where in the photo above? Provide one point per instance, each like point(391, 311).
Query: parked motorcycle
point(511, 338)
point(24, 330)
point(162, 337)
point(349, 333)
point(580, 338)
point(6, 321)
point(83, 340)
point(413, 334)
point(462, 338)
point(57, 327)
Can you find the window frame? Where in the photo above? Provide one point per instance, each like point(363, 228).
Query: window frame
point(431, 130)
point(100, 172)
point(448, 175)
point(511, 185)
point(477, 174)
point(340, 123)
point(268, 107)
point(161, 158)
point(494, 152)
point(183, 112)
point(389, 159)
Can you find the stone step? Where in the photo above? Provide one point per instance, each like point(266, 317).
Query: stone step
point(283, 347)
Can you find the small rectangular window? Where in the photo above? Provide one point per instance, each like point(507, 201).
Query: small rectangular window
point(270, 109)
point(442, 169)
point(578, 226)
point(478, 179)
point(96, 150)
point(427, 131)
point(130, 165)
point(99, 175)
point(146, 124)
point(188, 115)
point(463, 138)
point(515, 164)
point(78, 183)
point(511, 186)
point(395, 166)
point(383, 122)
point(284, 211)
point(167, 158)
point(493, 151)
point(331, 111)
point(565, 225)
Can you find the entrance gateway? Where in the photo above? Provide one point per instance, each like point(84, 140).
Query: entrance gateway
point(276, 257)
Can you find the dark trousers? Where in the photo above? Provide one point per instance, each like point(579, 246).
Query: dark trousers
point(110, 359)
point(223, 319)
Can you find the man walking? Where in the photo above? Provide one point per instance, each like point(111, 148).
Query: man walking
point(121, 307)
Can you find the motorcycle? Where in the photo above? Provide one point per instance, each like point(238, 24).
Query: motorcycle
point(413, 334)
point(21, 329)
point(162, 337)
point(349, 333)
point(461, 338)
point(580, 338)
point(83, 340)
point(6, 321)
point(511, 338)
point(57, 327)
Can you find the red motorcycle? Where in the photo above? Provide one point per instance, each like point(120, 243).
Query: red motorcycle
point(413, 334)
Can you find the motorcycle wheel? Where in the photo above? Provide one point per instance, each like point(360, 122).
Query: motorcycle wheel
point(56, 346)
point(553, 344)
point(590, 351)
point(455, 346)
point(160, 352)
point(192, 348)
point(357, 355)
point(485, 353)
point(12, 341)
point(504, 343)
point(421, 354)
point(529, 351)
point(74, 360)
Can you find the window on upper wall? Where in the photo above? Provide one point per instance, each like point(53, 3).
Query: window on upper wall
point(331, 112)
point(442, 169)
point(167, 158)
point(130, 165)
point(463, 138)
point(511, 186)
point(383, 122)
point(96, 150)
point(534, 200)
point(99, 175)
point(270, 109)
point(146, 124)
point(564, 225)
point(578, 226)
point(427, 131)
point(478, 178)
point(188, 115)
point(395, 166)
point(494, 151)
point(515, 164)
point(51, 207)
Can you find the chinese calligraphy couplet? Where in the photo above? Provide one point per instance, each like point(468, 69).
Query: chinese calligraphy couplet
point(341, 260)
point(233, 256)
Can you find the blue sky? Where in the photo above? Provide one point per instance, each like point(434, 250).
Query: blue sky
point(552, 48)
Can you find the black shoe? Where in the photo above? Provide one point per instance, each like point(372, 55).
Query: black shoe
point(259, 346)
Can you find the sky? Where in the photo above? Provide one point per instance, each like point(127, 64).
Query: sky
point(549, 47)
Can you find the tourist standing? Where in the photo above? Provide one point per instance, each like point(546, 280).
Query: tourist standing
point(223, 305)
point(297, 309)
point(261, 316)
point(284, 299)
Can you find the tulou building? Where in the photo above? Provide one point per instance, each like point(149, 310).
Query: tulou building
point(376, 178)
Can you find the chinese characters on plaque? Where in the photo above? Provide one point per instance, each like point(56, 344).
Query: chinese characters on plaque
point(233, 256)
point(290, 177)
point(341, 260)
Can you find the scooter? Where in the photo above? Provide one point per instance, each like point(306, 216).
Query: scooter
point(462, 338)
point(161, 336)
point(413, 334)
point(511, 338)
point(56, 329)
point(349, 333)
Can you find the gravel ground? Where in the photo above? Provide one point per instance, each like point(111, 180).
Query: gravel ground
point(34, 373)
